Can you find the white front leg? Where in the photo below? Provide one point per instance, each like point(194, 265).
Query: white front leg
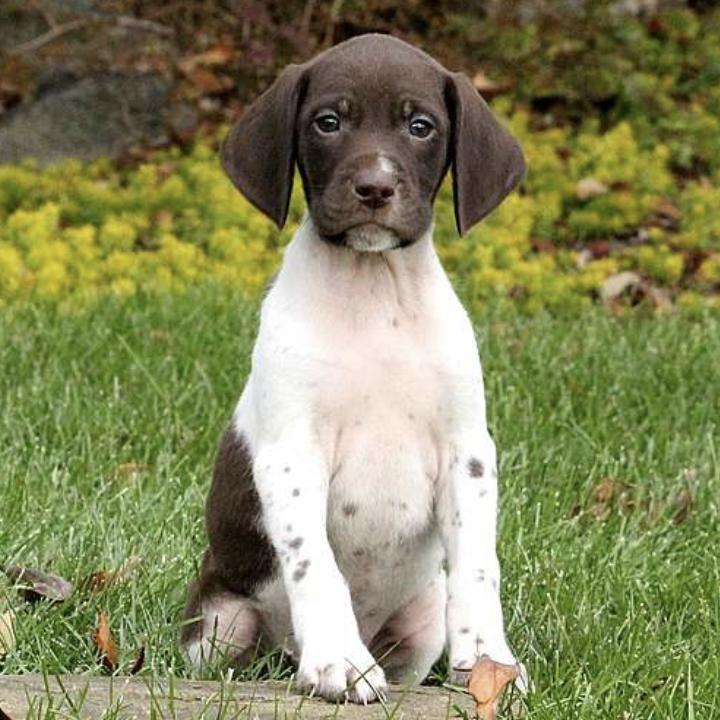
point(467, 515)
point(292, 481)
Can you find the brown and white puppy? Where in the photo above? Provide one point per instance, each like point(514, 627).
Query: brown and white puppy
point(352, 513)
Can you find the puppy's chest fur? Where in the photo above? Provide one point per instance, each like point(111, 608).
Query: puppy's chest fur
point(379, 358)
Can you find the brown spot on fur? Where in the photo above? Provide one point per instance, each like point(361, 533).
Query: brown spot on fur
point(475, 468)
point(240, 556)
point(350, 509)
point(301, 570)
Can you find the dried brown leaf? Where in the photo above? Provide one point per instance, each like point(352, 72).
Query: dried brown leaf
point(487, 681)
point(607, 494)
point(669, 210)
point(105, 643)
point(206, 81)
point(683, 505)
point(101, 579)
point(7, 633)
point(35, 584)
point(219, 55)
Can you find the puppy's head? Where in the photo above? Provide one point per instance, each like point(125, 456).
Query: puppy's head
point(373, 125)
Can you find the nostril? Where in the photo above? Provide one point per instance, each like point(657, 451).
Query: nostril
point(387, 191)
point(365, 191)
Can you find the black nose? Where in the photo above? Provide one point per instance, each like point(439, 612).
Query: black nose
point(374, 186)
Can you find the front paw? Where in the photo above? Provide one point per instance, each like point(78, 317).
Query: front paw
point(354, 676)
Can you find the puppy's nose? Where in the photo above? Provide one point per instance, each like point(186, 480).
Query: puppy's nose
point(374, 186)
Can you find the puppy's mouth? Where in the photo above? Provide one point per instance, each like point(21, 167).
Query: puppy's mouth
point(369, 237)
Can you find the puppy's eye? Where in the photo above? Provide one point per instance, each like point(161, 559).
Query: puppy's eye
point(327, 122)
point(421, 127)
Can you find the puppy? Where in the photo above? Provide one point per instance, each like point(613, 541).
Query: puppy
point(352, 512)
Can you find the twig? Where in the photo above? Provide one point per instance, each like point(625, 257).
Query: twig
point(332, 20)
point(307, 16)
point(123, 21)
point(48, 37)
point(145, 25)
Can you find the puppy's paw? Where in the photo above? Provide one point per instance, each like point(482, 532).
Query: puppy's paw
point(355, 677)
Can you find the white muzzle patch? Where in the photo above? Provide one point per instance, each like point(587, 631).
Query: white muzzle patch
point(371, 238)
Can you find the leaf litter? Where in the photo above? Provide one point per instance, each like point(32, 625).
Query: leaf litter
point(35, 585)
point(487, 681)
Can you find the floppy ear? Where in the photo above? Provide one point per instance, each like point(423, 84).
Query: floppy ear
point(487, 162)
point(259, 152)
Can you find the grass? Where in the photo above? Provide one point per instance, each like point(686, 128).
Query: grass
point(614, 606)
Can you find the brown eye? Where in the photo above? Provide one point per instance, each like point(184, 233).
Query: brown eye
point(327, 122)
point(421, 127)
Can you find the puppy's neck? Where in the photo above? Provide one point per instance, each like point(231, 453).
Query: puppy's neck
point(327, 279)
point(402, 263)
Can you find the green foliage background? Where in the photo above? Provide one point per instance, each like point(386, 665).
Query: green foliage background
point(628, 106)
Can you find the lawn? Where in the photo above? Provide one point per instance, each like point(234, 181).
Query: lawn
point(608, 436)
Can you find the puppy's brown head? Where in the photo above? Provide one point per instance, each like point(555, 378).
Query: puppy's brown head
point(373, 124)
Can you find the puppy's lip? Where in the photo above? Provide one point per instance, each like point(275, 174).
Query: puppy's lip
point(339, 238)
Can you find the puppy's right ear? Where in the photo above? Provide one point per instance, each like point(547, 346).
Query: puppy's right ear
point(259, 152)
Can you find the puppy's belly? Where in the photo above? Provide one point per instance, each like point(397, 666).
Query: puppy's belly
point(380, 522)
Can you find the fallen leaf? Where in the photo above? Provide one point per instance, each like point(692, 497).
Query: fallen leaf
point(219, 55)
point(105, 643)
point(7, 633)
point(590, 187)
point(206, 81)
point(682, 505)
point(540, 245)
point(139, 662)
point(101, 579)
point(599, 248)
point(610, 493)
point(617, 284)
point(36, 585)
point(487, 681)
point(669, 210)
point(490, 88)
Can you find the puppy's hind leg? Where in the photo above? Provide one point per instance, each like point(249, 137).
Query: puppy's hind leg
point(220, 627)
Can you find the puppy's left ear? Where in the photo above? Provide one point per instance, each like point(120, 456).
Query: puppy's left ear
point(487, 162)
point(259, 152)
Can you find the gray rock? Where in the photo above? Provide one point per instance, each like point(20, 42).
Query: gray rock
point(99, 115)
point(146, 697)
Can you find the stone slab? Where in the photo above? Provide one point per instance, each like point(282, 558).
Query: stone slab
point(125, 698)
